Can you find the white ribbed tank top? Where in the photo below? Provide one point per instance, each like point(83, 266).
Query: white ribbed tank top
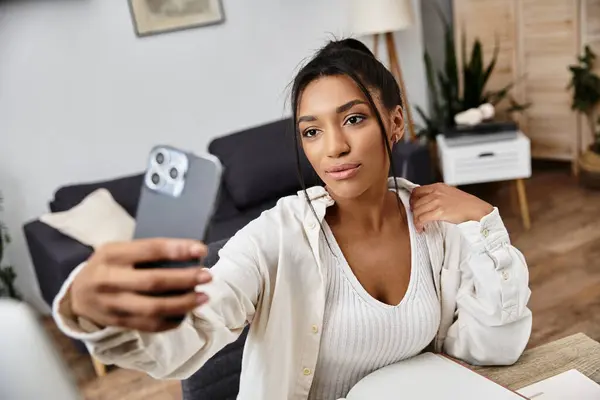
point(360, 333)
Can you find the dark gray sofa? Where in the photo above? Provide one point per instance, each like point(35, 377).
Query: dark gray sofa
point(259, 168)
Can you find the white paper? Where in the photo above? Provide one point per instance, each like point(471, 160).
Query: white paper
point(568, 385)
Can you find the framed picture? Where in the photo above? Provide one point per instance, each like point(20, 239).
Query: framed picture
point(158, 16)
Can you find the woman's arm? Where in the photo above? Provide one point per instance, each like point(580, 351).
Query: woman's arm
point(237, 284)
point(482, 271)
point(493, 323)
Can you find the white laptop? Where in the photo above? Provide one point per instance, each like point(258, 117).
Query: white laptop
point(428, 376)
point(30, 366)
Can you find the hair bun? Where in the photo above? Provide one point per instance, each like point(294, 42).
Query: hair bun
point(336, 46)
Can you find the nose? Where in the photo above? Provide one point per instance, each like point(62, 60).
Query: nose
point(337, 144)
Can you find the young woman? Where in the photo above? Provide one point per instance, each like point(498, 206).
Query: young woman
point(339, 281)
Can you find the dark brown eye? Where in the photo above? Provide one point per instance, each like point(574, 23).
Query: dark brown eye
point(355, 119)
point(309, 133)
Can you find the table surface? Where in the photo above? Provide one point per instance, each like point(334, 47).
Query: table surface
point(573, 352)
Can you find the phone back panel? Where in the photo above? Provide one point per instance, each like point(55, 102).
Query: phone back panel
point(177, 204)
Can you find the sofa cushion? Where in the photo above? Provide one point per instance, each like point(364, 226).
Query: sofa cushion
point(412, 161)
point(225, 207)
point(97, 220)
point(224, 228)
point(125, 190)
point(260, 163)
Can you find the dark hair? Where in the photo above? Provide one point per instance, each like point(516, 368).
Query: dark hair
point(352, 58)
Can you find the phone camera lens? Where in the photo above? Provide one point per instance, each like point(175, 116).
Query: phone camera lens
point(173, 173)
point(160, 158)
point(155, 178)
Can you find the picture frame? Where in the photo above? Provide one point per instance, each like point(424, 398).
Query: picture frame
point(152, 17)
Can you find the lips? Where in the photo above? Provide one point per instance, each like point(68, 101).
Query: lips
point(343, 171)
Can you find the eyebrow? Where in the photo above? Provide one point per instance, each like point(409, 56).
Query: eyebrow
point(338, 110)
point(349, 105)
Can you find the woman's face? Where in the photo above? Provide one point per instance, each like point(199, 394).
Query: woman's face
point(341, 137)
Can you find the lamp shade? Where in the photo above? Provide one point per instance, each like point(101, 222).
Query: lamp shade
point(380, 16)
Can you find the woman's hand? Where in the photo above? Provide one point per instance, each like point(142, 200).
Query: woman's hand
point(440, 202)
point(109, 291)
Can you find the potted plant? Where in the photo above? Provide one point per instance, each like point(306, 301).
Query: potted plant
point(585, 86)
point(451, 95)
point(7, 273)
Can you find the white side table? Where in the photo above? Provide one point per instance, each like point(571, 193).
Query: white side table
point(506, 160)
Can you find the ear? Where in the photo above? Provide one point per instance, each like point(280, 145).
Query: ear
point(396, 124)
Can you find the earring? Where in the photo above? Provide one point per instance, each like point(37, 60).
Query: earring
point(395, 138)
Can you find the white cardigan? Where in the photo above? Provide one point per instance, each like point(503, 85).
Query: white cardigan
point(270, 274)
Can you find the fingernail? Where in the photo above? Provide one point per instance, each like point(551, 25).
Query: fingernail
point(203, 276)
point(201, 298)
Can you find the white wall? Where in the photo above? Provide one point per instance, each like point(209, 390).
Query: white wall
point(82, 98)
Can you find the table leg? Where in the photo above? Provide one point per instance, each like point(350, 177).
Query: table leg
point(99, 367)
point(523, 204)
point(514, 197)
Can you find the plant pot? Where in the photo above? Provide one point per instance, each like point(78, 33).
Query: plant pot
point(589, 170)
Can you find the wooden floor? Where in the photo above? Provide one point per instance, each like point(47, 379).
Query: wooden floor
point(562, 250)
point(118, 384)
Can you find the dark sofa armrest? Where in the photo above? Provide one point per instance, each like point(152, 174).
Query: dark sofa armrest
point(412, 161)
point(54, 256)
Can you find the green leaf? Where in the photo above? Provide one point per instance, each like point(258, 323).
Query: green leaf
point(492, 64)
point(473, 87)
point(436, 101)
point(7, 280)
point(496, 96)
point(465, 66)
point(431, 80)
point(430, 126)
point(516, 106)
point(450, 64)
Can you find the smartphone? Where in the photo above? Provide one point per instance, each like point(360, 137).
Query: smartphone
point(178, 197)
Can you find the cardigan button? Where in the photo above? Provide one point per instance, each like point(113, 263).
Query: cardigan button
point(485, 232)
point(306, 371)
point(315, 329)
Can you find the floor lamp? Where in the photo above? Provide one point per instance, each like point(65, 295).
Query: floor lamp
point(383, 18)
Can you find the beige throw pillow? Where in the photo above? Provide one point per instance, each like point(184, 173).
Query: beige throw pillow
point(98, 219)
